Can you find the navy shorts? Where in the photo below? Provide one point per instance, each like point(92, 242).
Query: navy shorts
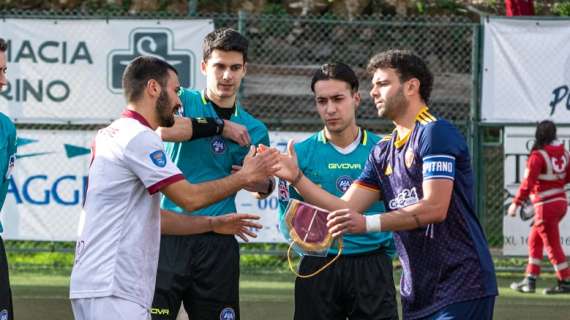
point(479, 309)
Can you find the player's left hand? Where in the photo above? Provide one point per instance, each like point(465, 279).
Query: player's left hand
point(239, 224)
point(236, 132)
point(512, 211)
point(345, 221)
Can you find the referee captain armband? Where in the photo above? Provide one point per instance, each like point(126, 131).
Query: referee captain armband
point(439, 167)
point(206, 127)
point(309, 234)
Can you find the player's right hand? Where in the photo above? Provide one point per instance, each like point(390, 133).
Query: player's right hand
point(239, 224)
point(257, 166)
point(288, 168)
point(236, 132)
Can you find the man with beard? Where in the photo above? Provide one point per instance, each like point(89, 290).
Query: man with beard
point(202, 270)
point(422, 171)
point(359, 285)
point(117, 251)
point(7, 160)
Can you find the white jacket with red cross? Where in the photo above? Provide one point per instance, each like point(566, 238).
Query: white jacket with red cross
point(547, 171)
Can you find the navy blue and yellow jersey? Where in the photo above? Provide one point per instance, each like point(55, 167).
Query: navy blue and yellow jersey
point(335, 172)
point(7, 155)
point(211, 158)
point(442, 263)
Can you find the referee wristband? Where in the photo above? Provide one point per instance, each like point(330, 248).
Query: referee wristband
point(206, 127)
point(373, 223)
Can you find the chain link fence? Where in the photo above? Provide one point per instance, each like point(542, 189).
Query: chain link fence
point(285, 51)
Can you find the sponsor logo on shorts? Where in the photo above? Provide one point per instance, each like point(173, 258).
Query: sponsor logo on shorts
point(160, 312)
point(228, 314)
point(4, 314)
point(158, 158)
point(343, 183)
point(218, 145)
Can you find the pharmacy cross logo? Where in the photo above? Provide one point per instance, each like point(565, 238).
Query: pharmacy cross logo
point(155, 42)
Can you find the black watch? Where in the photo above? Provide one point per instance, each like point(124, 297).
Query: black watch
point(220, 123)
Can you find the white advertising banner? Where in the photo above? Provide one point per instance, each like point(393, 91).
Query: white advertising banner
point(48, 186)
point(526, 70)
point(518, 142)
point(69, 71)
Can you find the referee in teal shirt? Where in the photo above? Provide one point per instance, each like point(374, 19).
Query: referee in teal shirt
point(359, 285)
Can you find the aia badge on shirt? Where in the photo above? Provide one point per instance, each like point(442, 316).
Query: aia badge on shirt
point(218, 145)
point(158, 158)
point(439, 167)
point(343, 183)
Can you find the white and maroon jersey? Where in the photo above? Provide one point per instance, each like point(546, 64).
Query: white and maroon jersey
point(547, 171)
point(117, 249)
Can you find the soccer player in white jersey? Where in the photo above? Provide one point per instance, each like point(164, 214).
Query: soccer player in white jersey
point(117, 252)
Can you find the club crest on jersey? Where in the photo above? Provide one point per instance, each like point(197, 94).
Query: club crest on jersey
point(343, 183)
point(409, 158)
point(4, 314)
point(218, 145)
point(228, 314)
point(283, 191)
point(158, 158)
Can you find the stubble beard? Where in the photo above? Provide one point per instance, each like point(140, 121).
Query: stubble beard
point(164, 111)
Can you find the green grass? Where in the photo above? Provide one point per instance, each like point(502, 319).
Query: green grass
point(39, 296)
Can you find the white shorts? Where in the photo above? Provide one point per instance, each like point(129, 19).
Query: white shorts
point(105, 308)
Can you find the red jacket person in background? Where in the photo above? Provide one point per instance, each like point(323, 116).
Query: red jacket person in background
point(548, 170)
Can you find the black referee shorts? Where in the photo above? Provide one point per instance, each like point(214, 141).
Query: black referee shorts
point(6, 310)
point(200, 270)
point(357, 287)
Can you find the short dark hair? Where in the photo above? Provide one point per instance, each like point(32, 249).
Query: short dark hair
point(3, 45)
point(336, 71)
point(140, 71)
point(225, 39)
point(408, 65)
point(545, 133)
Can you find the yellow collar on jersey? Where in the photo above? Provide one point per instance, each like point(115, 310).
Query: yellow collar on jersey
point(423, 117)
point(205, 101)
point(363, 137)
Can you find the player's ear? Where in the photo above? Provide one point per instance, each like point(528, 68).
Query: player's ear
point(244, 68)
point(203, 66)
point(412, 86)
point(153, 88)
point(357, 99)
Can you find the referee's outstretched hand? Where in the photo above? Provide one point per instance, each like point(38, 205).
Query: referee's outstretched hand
point(257, 166)
point(288, 168)
point(239, 224)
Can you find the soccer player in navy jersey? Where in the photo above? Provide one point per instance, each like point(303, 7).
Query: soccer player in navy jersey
point(422, 171)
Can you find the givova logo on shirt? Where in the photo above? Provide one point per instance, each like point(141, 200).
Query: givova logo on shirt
point(405, 198)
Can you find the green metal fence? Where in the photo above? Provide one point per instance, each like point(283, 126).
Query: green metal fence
point(284, 51)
